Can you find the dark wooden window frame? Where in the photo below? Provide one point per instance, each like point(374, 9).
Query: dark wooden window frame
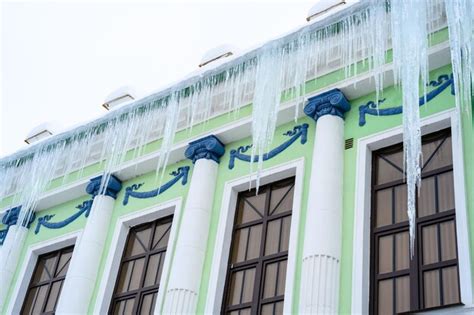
point(262, 261)
point(49, 282)
point(142, 291)
point(416, 268)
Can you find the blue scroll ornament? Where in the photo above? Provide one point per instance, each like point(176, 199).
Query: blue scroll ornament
point(300, 131)
point(442, 83)
point(85, 208)
point(180, 173)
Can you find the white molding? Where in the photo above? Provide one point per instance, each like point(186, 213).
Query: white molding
point(31, 257)
point(361, 244)
point(224, 230)
point(122, 227)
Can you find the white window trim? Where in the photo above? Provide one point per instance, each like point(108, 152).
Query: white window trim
point(119, 238)
point(361, 245)
point(225, 225)
point(28, 267)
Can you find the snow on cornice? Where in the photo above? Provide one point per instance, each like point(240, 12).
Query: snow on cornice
point(192, 78)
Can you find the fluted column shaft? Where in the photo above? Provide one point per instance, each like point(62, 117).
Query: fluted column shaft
point(185, 277)
point(323, 234)
point(84, 266)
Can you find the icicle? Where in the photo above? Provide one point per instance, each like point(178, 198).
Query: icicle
point(460, 16)
point(410, 61)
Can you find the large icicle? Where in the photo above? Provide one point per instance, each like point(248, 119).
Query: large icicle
point(410, 46)
point(460, 16)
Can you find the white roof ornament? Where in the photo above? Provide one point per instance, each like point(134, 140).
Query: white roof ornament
point(41, 132)
point(324, 8)
point(216, 53)
point(121, 96)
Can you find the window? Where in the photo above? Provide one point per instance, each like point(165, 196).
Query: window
point(46, 283)
point(140, 270)
point(431, 278)
point(256, 274)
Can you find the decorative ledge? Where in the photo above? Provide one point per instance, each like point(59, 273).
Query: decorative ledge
point(209, 147)
point(111, 189)
point(332, 102)
point(300, 131)
point(442, 83)
point(85, 208)
point(130, 191)
point(11, 218)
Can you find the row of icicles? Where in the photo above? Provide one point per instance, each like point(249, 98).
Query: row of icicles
point(363, 34)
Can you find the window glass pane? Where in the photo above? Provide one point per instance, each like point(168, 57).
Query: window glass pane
point(450, 285)
point(385, 254)
point(240, 244)
point(53, 296)
point(251, 208)
point(448, 240)
point(401, 203)
point(281, 278)
point(236, 283)
point(384, 207)
point(269, 289)
point(138, 242)
point(281, 200)
point(249, 283)
point(63, 264)
point(130, 275)
point(44, 269)
point(443, 157)
point(430, 244)
point(446, 191)
point(385, 297)
point(279, 308)
point(402, 258)
point(431, 288)
point(29, 301)
point(147, 306)
point(124, 307)
point(151, 277)
point(387, 172)
point(162, 235)
point(267, 309)
point(285, 233)
point(427, 197)
point(40, 299)
point(402, 294)
point(273, 237)
point(255, 239)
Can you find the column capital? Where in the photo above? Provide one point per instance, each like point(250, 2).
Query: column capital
point(11, 218)
point(332, 102)
point(209, 147)
point(112, 188)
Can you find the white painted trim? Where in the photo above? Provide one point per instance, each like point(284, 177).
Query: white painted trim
point(361, 244)
point(124, 223)
point(31, 257)
point(224, 230)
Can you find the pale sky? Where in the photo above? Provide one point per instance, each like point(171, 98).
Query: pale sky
point(59, 60)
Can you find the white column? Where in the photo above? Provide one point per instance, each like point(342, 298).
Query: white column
point(10, 251)
point(82, 273)
point(185, 277)
point(323, 234)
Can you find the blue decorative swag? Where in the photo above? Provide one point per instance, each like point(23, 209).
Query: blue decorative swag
point(443, 82)
point(11, 218)
point(300, 131)
point(85, 208)
point(180, 173)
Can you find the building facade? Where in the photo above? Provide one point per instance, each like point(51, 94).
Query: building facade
point(326, 233)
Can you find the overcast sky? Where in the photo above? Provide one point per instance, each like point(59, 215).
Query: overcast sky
point(59, 60)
